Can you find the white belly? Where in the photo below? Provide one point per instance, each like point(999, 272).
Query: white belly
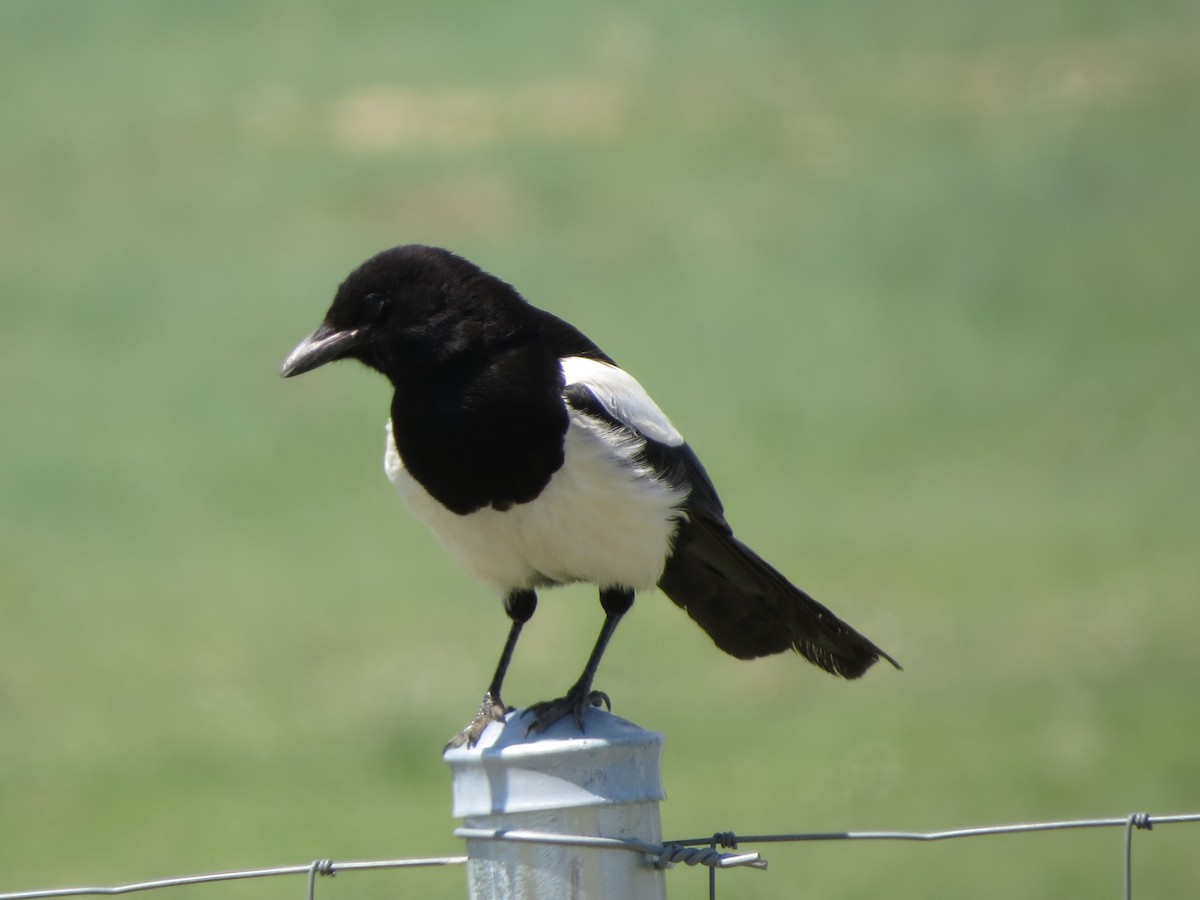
point(602, 519)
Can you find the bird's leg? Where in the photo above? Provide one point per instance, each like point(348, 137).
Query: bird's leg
point(616, 602)
point(520, 606)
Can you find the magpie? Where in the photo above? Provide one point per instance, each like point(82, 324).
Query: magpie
point(537, 461)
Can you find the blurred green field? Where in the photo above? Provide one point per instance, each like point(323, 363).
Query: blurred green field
point(918, 281)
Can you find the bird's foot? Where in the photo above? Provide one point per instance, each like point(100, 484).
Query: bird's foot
point(577, 700)
point(492, 709)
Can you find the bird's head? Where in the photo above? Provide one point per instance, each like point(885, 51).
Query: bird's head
point(404, 302)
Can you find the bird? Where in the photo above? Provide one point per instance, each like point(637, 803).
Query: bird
point(537, 461)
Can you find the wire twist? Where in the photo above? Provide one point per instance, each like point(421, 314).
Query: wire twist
point(705, 856)
point(1140, 821)
point(664, 855)
point(318, 867)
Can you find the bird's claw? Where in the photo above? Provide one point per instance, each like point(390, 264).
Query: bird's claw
point(492, 709)
point(574, 704)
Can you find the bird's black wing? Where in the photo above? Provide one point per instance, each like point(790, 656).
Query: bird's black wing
point(744, 604)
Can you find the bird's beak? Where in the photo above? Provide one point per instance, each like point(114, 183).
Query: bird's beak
point(323, 345)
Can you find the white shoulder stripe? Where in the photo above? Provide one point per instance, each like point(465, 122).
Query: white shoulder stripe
point(622, 397)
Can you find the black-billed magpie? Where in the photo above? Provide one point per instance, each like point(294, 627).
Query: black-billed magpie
point(537, 461)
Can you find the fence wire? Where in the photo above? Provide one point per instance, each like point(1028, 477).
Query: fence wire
point(663, 856)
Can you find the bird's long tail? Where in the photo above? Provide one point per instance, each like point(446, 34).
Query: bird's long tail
point(749, 609)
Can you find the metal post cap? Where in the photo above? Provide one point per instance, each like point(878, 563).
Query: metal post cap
point(613, 761)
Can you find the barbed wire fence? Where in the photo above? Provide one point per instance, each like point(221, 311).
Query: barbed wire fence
point(704, 851)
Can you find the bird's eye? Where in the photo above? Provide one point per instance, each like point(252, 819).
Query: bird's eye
point(373, 306)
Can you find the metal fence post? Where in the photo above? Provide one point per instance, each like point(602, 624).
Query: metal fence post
point(605, 783)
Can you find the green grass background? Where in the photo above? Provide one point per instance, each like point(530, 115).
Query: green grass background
point(919, 282)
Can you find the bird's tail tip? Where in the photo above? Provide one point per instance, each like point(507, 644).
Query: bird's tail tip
point(850, 661)
point(895, 664)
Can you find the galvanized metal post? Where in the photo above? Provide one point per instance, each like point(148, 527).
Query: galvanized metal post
point(604, 783)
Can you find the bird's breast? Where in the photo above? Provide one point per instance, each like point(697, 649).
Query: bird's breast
point(604, 517)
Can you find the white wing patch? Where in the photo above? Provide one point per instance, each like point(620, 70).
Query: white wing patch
point(622, 397)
